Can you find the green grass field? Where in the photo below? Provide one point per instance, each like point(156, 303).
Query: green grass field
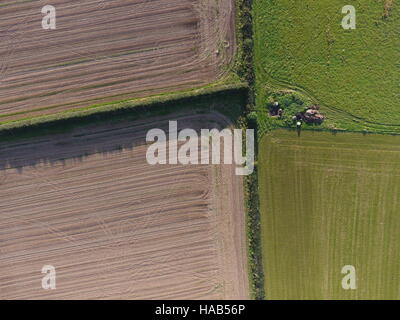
point(328, 201)
point(352, 74)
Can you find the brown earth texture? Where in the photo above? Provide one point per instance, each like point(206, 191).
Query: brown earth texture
point(103, 51)
point(113, 226)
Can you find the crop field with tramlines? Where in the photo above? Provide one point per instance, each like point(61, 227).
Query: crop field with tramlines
point(327, 202)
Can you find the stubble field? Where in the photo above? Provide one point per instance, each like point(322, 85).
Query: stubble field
point(105, 51)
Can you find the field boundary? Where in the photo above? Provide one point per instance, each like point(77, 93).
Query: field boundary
point(337, 117)
point(350, 122)
point(114, 111)
point(252, 204)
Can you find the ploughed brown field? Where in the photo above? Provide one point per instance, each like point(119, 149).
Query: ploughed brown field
point(105, 51)
point(115, 227)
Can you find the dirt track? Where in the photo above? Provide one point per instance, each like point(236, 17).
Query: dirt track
point(108, 50)
point(115, 227)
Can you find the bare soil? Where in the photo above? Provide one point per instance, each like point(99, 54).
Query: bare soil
point(115, 227)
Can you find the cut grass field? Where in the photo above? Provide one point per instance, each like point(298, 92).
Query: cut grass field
point(328, 201)
point(352, 74)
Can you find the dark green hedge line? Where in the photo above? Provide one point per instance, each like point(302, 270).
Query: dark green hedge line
point(246, 72)
point(129, 110)
point(254, 236)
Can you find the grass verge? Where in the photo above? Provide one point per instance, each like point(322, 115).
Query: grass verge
point(246, 71)
point(211, 98)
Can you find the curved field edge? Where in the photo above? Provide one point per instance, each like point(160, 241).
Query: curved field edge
point(120, 148)
point(232, 79)
point(200, 98)
point(273, 74)
point(336, 120)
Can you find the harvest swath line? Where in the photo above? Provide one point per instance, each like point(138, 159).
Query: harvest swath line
point(123, 48)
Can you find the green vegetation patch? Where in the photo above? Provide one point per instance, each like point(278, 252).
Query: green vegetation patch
point(229, 100)
point(328, 201)
point(352, 74)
